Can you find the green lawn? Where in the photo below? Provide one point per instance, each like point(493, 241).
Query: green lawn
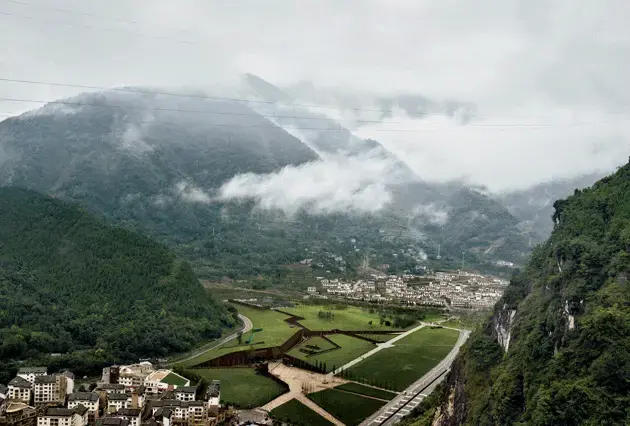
point(349, 408)
point(275, 331)
point(174, 379)
point(242, 386)
point(351, 348)
point(296, 413)
point(316, 344)
point(409, 359)
point(366, 390)
point(350, 318)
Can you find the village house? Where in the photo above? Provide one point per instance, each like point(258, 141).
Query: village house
point(52, 416)
point(113, 421)
point(163, 380)
point(89, 400)
point(19, 389)
point(17, 413)
point(133, 376)
point(185, 393)
point(29, 373)
point(50, 390)
point(183, 412)
point(132, 415)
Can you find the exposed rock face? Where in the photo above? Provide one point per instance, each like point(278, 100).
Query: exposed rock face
point(502, 326)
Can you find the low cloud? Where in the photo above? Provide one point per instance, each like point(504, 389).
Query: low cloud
point(335, 184)
point(431, 213)
point(512, 150)
point(189, 192)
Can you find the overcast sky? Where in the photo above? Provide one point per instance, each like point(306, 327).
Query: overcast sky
point(550, 77)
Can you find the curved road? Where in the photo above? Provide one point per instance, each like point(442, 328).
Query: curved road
point(247, 325)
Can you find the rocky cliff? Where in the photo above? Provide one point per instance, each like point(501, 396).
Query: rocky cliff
point(556, 350)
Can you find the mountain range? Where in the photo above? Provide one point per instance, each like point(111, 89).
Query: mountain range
point(202, 174)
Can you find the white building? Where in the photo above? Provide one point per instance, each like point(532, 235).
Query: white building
point(118, 401)
point(132, 415)
point(163, 380)
point(50, 389)
point(132, 376)
point(89, 400)
point(63, 416)
point(185, 393)
point(19, 389)
point(29, 373)
point(213, 395)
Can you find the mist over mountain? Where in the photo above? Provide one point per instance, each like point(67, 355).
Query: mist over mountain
point(534, 206)
point(241, 188)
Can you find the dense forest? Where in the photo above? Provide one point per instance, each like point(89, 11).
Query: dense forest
point(89, 293)
point(567, 360)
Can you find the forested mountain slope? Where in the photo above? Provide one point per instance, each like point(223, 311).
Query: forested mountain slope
point(534, 206)
point(155, 163)
point(557, 348)
point(94, 294)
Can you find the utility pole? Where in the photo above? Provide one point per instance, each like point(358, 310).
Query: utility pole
point(438, 254)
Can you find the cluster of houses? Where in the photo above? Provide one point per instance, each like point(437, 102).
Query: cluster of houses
point(456, 289)
point(129, 395)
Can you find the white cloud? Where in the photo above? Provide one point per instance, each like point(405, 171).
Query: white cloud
point(189, 192)
point(507, 151)
point(511, 57)
point(432, 213)
point(335, 184)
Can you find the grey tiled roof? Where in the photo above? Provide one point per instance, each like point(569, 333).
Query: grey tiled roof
point(83, 396)
point(45, 379)
point(117, 396)
point(38, 370)
point(19, 382)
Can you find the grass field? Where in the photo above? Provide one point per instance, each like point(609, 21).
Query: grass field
point(366, 390)
point(295, 413)
point(350, 349)
point(409, 359)
point(350, 318)
point(275, 332)
point(242, 386)
point(349, 408)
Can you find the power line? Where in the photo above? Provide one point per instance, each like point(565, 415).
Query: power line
point(187, 111)
point(291, 104)
point(92, 27)
point(273, 126)
point(184, 95)
point(90, 15)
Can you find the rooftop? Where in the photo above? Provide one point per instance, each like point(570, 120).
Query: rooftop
point(83, 396)
point(115, 396)
point(14, 406)
point(58, 412)
point(45, 379)
point(19, 382)
point(186, 389)
point(36, 370)
point(134, 412)
point(112, 421)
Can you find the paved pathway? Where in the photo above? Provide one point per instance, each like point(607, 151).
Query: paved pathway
point(247, 326)
point(405, 402)
point(295, 378)
point(379, 347)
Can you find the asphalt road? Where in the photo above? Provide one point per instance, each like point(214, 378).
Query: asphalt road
point(247, 325)
point(411, 397)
